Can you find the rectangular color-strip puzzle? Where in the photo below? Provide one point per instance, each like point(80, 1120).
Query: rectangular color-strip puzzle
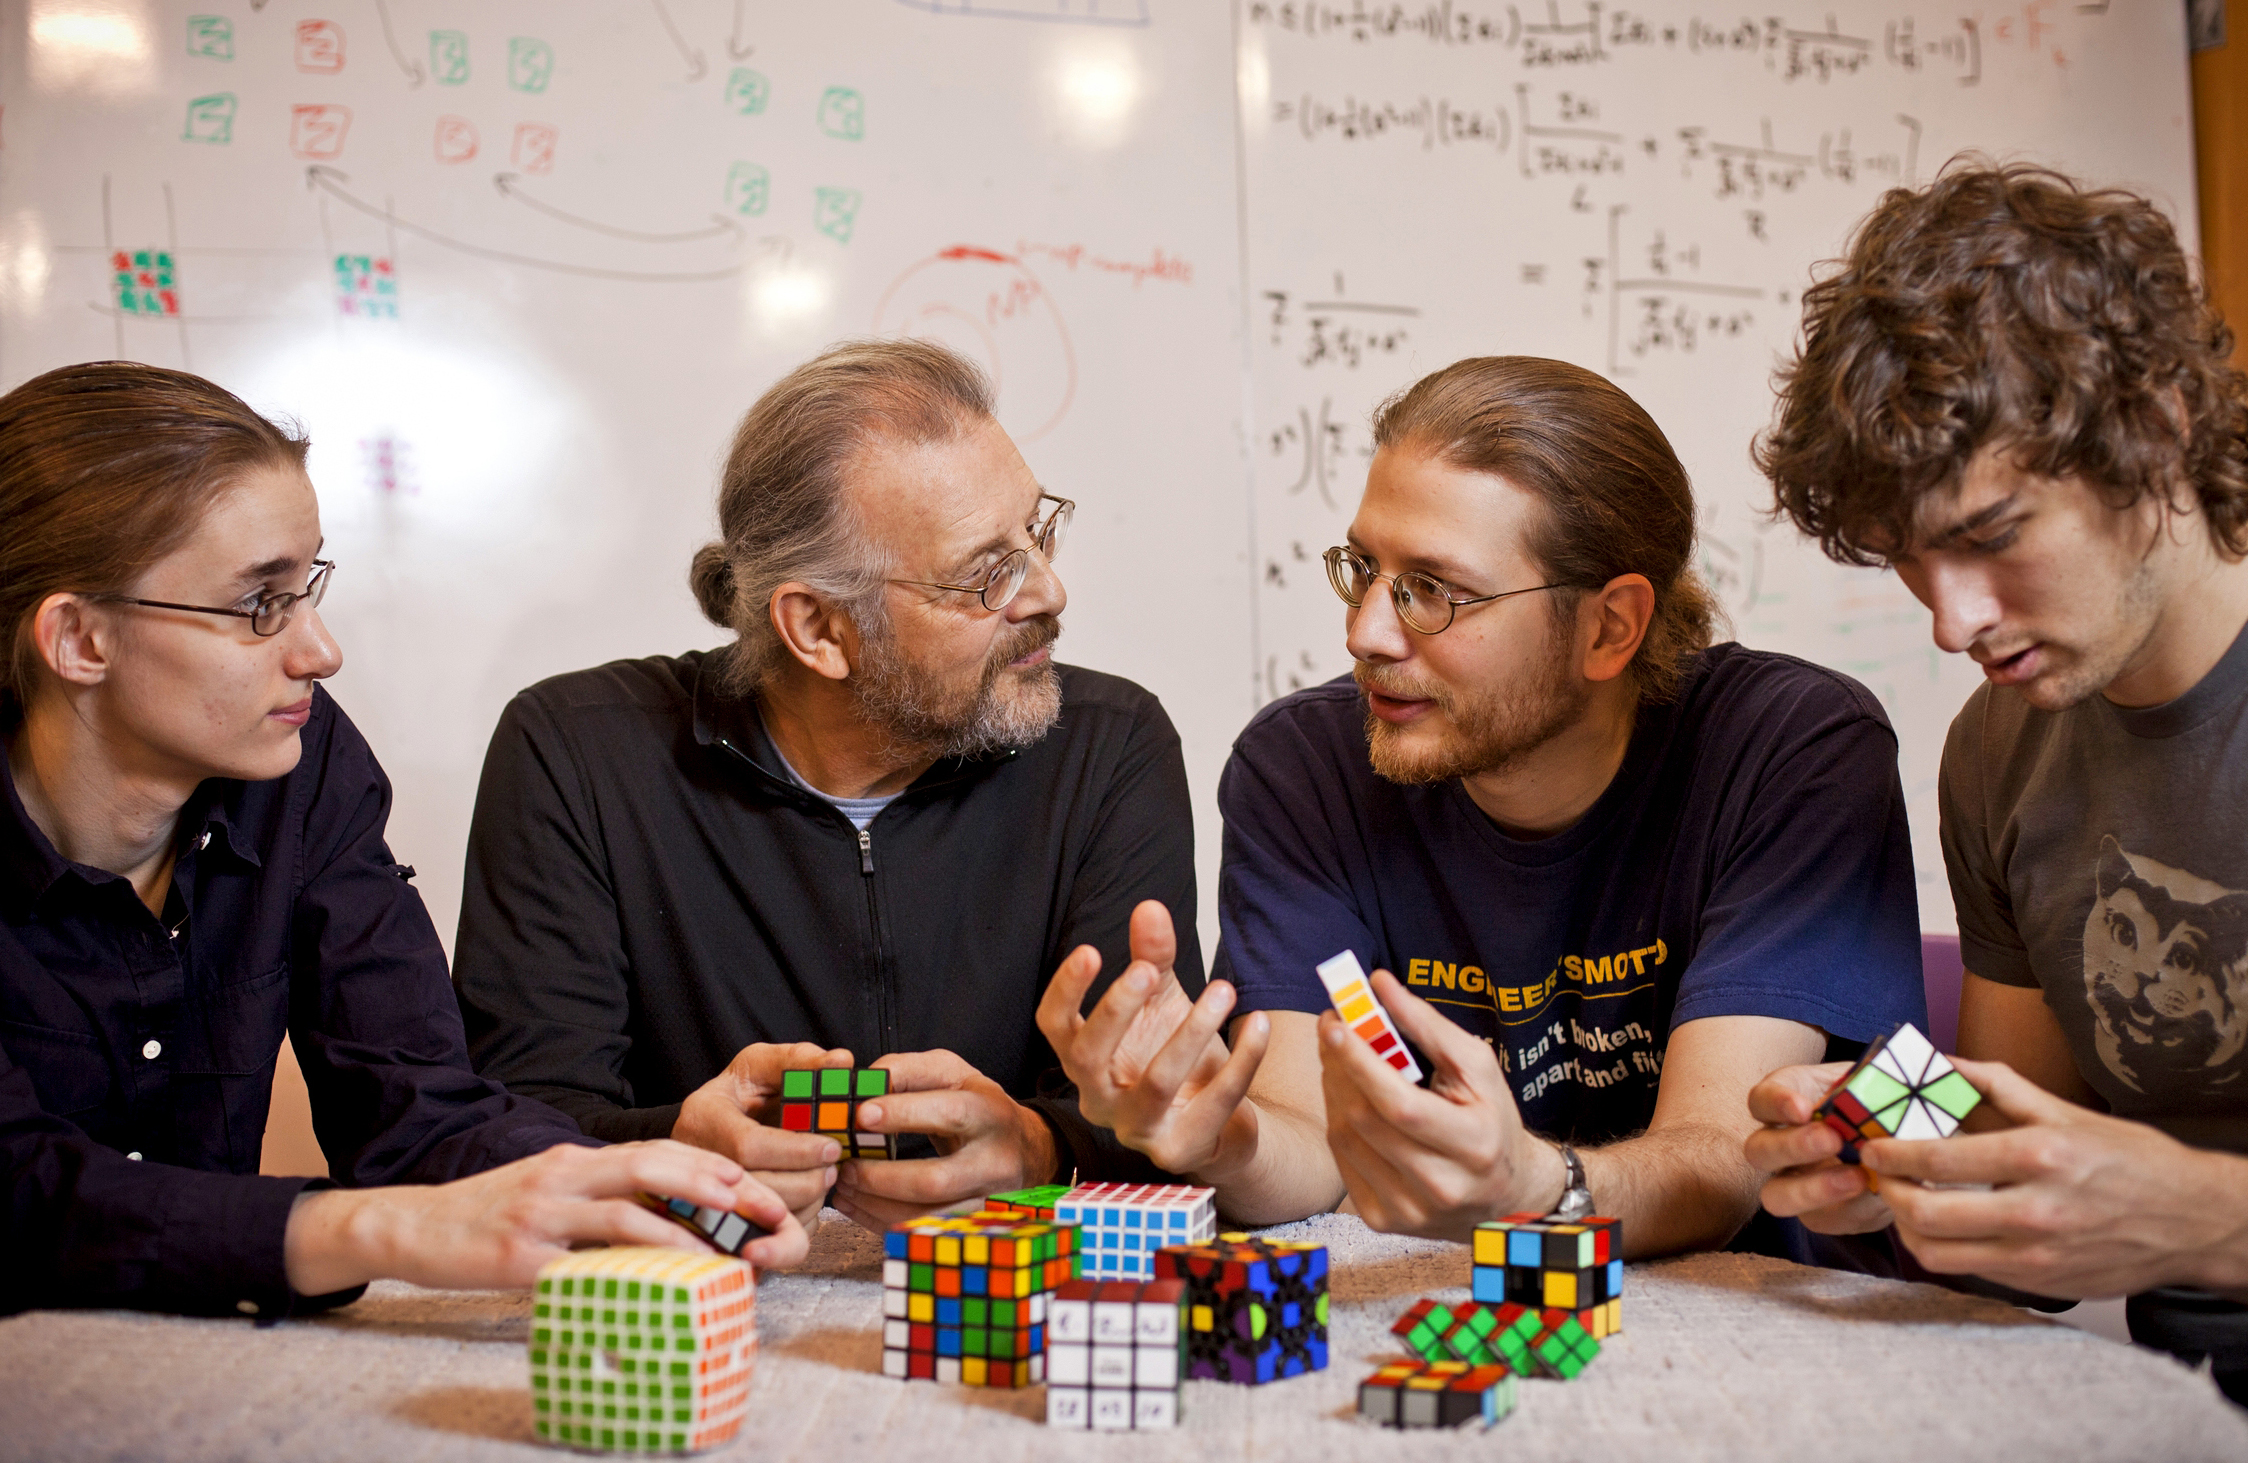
point(1348, 988)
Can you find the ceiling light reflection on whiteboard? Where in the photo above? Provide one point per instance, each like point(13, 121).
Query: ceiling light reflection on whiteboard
point(1099, 83)
point(789, 296)
point(91, 45)
point(1253, 79)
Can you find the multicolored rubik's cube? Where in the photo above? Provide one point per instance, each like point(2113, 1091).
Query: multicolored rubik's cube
point(1125, 1224)
point(1564, 1347)
point(642, 1350)
point(826, 1101)
point(1353, 996)
point(964, 1299)
point(1115, 1350)
point(1901, 1088)
point(143, 282)
point(1436, 1394)
point(1256, 1309)
point(1550, 1264)
point(726, 1230)
point(1035, 1203)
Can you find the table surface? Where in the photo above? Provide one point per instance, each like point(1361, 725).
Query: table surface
point(1722, 1357)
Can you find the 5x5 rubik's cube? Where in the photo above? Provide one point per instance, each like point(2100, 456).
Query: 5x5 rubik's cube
point(965, 1299)
point(826, 1101)
point(1552, 1264)
point(1125, 1224)
point(1901, 1088)
point(1256, 1309)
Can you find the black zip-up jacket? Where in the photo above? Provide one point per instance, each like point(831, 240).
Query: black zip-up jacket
point(648, 892)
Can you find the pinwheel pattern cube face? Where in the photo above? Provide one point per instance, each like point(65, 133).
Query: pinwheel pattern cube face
point(1436, 1394)
point(1901, 1088)
point(642, 1350)
point(1551, 1264)
point(1354, 1000)
point(1125, 1224)
point(1256, 1309)
point(826, 1101)
point(1115, 1351)
point(964, 1299)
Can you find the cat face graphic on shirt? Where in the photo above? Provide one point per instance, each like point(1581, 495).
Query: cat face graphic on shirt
point(2166, 970)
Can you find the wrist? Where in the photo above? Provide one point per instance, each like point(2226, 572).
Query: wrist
point(1235, 1152)
point(2221, 1264)
point(1040, 1147)
point(334, 1240)
point(1541, 1178)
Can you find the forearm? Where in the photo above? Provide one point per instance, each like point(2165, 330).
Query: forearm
point(2223, 1194)
point(1681, 1186)
point(1276, 1168)
point(334, 1240)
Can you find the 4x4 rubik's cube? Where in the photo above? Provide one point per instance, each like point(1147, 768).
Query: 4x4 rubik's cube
point(826, 1101)
point(964, 1299)
point(1901, 1088)
point(1256, 1309)
point(1552, 1264)
point(642, 1350)
point(1115, 1351)
point(1125, 1224)
point(1436, 1394)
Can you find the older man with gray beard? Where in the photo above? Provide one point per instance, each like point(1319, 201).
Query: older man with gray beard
point(869, 828)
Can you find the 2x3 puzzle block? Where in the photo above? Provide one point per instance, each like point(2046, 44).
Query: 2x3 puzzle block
point(1115, 1353)
point(1036, 1203)
point(1901, 1088)
point(826, 1101)
point(1256, 1309)
point(1125, 1224)
point(1354, 1000)
point(726, 1230)
point(964, 1298)
point(1549, 1264)
point(1437, 1394)
point(638, 1349)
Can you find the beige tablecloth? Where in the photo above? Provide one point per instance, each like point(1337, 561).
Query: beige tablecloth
point(1723, 1357)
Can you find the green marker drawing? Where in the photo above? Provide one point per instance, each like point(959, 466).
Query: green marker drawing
point(210, 35)
point(448, 57)
point(530, 63)
point(747, 91)
point(210, 119)
point(747, 187)
point(843, 113)
point(835, 212)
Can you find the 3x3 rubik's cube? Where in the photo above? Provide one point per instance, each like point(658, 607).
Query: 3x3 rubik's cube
point(1126, 1224)
point(1901, 1088)
point(642, 1350)
point(1114, 1354)
point(826, 1101)
point(1552, 1265)
point(965, 1299)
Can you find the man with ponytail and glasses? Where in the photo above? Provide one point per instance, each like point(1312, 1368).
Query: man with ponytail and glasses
point(1605, 871)
point(192, 866)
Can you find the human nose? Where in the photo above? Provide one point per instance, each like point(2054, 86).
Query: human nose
point(1374, 630)
point(309, 652)
point(1960, 596)
point(1042, 592)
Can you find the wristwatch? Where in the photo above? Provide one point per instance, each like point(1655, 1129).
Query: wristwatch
point(1576, 1199)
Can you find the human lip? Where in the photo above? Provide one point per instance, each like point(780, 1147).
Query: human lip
point(1397, 710)
point(2014, 669)
point(297, 713)
point(1036, 657)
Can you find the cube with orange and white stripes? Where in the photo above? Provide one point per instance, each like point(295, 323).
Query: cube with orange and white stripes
point(640, 1349)
point(1353, 996)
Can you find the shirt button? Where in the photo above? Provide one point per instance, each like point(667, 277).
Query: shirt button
point(204, 841)
point(135, 1157)
point(247, 1307)
point(153, 1050)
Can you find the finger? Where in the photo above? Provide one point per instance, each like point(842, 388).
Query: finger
point(2015, 1096)
point(1793, 1195)
point(760, 1146)
point(1224, 1092)
point(1776, 1150)
point(1104, 1031)
point(1790, 1095)
point(1952, 1214)
point(799, 1189)
point(757, 1203)
point(923, 1071)
point(1189, 1046)
point(1388, 1199)
point(1152, 938)
point(1060, 1010)
point(786, 1245)
point(2006, 1157)
point(919, 1185)
point(946, 1113)
point(662, 1167)
point(622, 1222)
point(1383, 1089)
point(1452, 1049)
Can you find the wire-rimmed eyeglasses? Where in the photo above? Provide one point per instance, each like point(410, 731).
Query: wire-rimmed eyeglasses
point(269, 617)
point(1005, 580)
point(1424, 602)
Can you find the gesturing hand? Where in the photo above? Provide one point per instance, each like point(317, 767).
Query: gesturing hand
point(725, 1116)
point(989, 1142)
point(1808, 1180)
point(1149, 1063)
point(496, 1229)
point(1433, 1163)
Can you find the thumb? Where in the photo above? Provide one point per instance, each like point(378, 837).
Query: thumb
point(1153, 939)
point(1457, 1055)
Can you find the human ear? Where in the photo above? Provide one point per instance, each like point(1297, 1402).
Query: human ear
point(819, 635)
point(1616, 616)
point(73, 638)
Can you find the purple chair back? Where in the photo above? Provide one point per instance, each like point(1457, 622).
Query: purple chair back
point(1940, 970)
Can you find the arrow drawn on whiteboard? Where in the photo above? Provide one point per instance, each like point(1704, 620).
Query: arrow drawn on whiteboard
point(735, 47)
point(330, 181)
point(511, 186)
point(692, 55)
point(412, 68)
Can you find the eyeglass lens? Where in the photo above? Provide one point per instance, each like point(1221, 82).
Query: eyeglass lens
point(1009, 574)
point(275, 610)
point(1421, 601)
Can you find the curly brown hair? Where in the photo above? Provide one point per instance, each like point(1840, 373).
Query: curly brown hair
point(2005, 305)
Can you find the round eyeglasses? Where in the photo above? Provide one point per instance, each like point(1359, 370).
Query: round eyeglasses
point(1424, 602)
point(271, 614)
point(1005, 579)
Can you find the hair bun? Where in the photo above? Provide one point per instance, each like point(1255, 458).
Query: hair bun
point(711, 576)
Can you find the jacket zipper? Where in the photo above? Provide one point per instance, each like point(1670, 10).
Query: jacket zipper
point(884, 1004)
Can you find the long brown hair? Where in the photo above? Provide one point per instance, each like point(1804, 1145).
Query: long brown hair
point(1616, 498)
point(104, 469)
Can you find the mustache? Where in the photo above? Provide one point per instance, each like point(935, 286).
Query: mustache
point(1033, 634)
point(1384, 680)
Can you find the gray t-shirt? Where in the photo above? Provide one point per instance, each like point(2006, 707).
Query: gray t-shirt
point(2102, 854)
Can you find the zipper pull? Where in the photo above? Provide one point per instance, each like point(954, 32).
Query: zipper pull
point(866, 852)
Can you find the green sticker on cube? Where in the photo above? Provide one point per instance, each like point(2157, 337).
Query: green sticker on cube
point(796, 1084)
point(873, 1082)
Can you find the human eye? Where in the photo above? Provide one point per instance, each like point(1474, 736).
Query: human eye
point(1994, 543)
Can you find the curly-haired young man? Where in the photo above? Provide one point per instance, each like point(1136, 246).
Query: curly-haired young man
point(2013, 393)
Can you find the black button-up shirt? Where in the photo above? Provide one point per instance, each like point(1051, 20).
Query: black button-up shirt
point(137, 1052)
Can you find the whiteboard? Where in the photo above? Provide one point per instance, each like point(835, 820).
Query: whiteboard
point(518, 267)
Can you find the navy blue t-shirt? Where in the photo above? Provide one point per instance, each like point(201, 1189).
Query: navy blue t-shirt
point(1750, 859)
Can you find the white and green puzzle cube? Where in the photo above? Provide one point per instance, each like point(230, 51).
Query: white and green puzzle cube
point(639, 1349)
point(1901, 1088)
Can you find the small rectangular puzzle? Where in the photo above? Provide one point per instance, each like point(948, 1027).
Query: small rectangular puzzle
point(1901, 1088)
point(1037, 1203)
point(726, 1231)
point(1256, 1309)
point(826, 1101)
point(142, 283)
point(1125, 1224)
point(1115, 1352)
point(1549, 1264)
point(640, 1349)
point(1436, 1394)
point(964, 1298)
point(1354, 1000)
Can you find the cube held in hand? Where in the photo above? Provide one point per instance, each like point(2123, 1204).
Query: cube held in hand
point(825, 1100)
point(1901, 1088)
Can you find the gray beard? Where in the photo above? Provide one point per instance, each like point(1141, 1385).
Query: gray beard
point(923, 716)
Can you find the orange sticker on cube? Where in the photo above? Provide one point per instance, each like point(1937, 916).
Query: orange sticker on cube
point(1347, 987)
